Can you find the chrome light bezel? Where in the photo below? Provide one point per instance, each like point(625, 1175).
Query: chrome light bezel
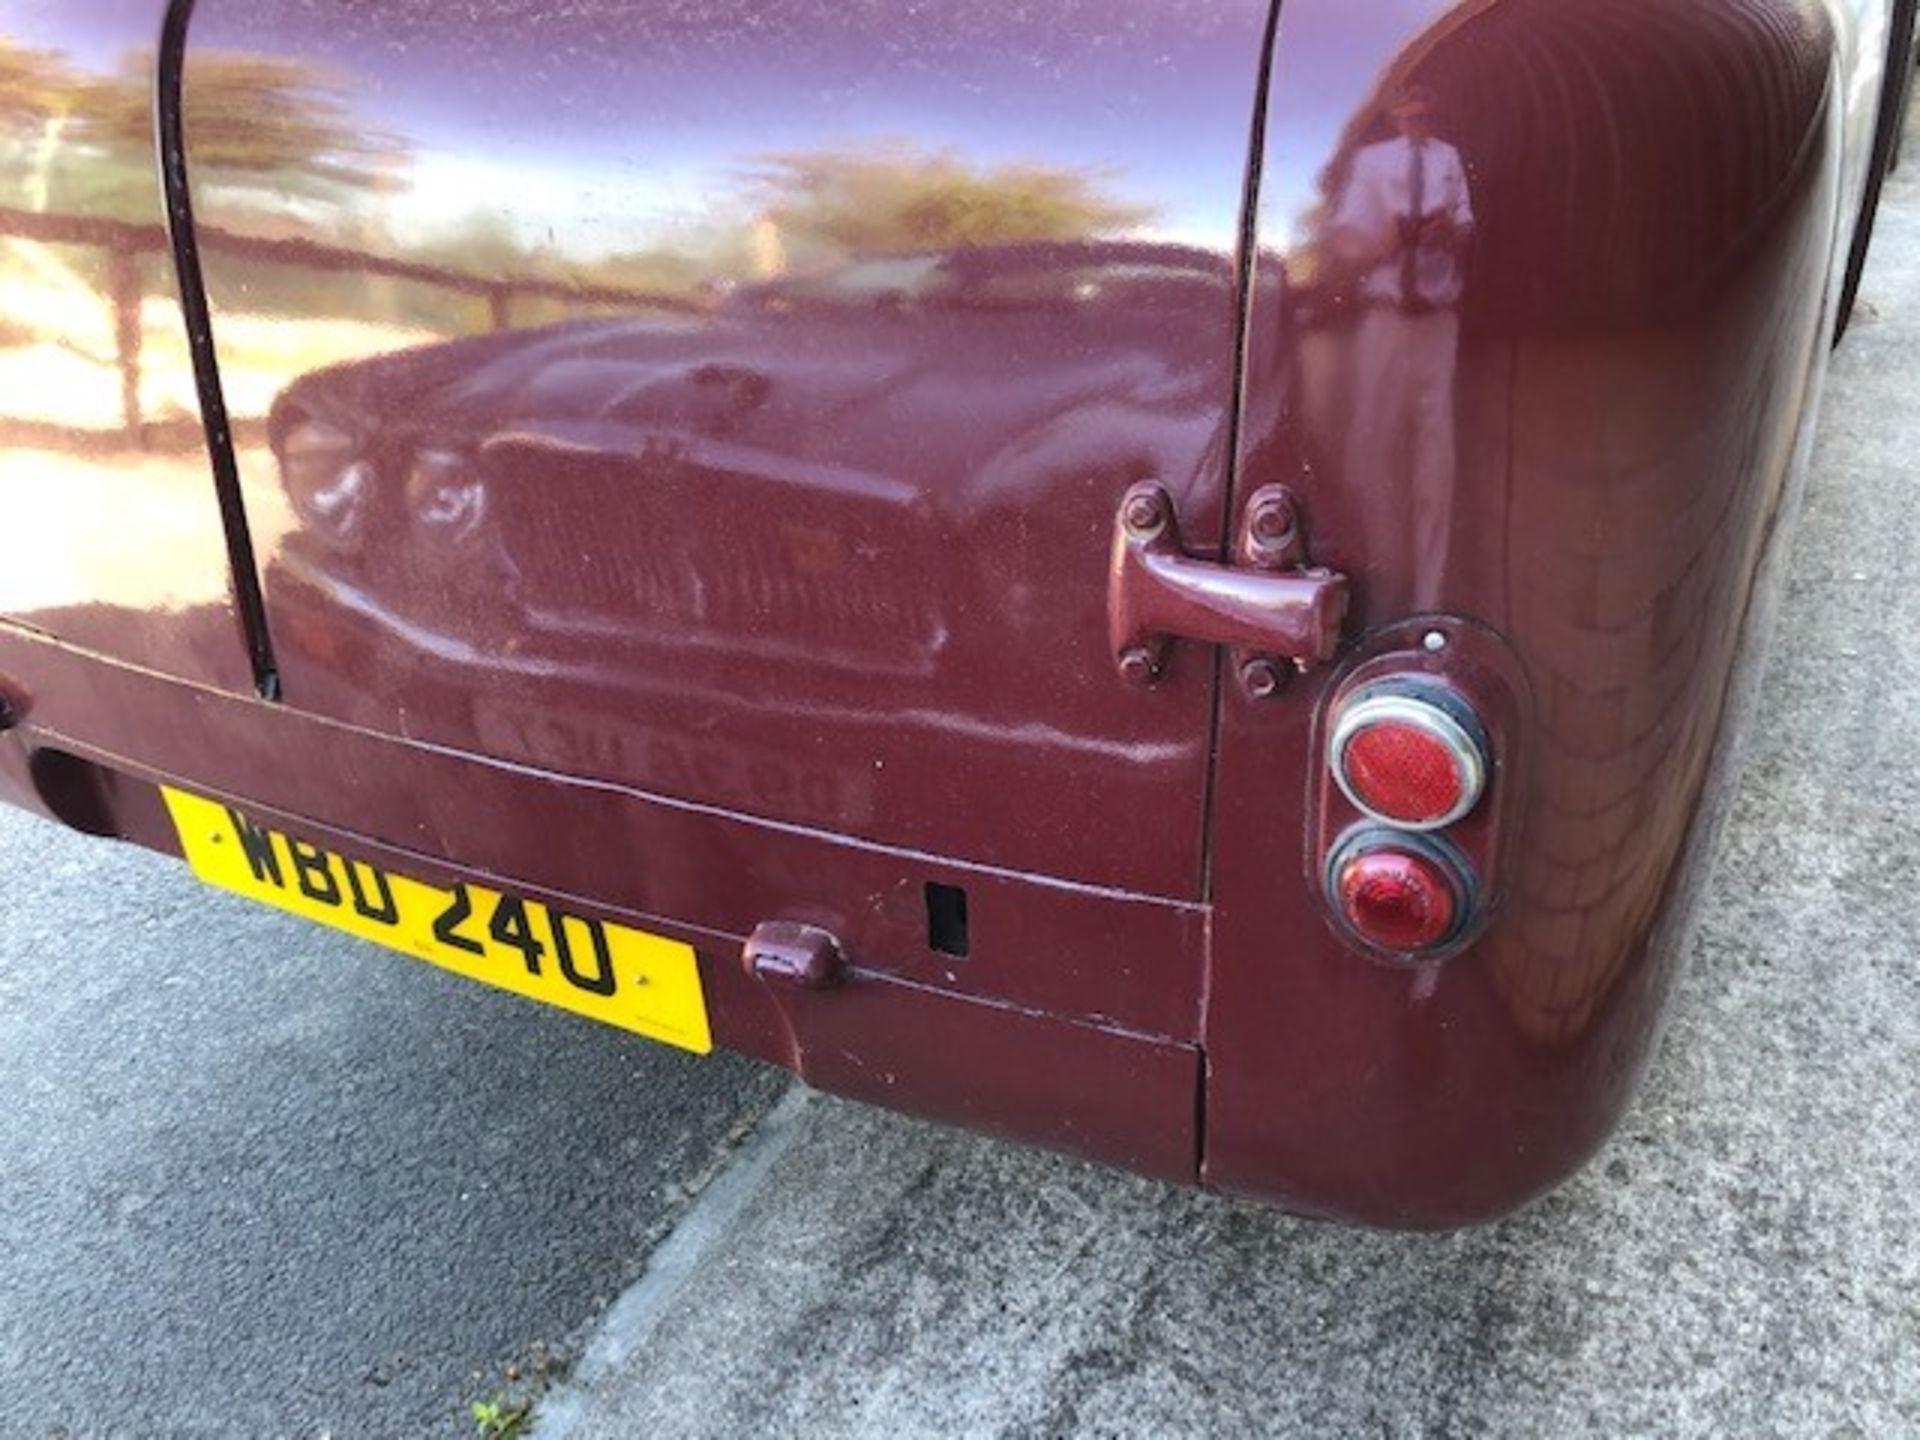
point(1460, 736)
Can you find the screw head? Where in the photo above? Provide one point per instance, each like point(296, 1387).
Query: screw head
point(1145, 513)
point(1260, 678)
point(1137, 667)
point(1434, 641)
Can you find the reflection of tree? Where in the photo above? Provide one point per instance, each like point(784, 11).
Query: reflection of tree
point(818, 208)
point(668, 272)
point(80, 210)
point(283, 169)
point(35, 85)
point(482, 242)
point(253, 117)
point(260, 120)
point(897, 198)
point(37, 91)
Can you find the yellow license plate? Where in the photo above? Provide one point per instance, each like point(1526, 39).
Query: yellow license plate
point(608, 972)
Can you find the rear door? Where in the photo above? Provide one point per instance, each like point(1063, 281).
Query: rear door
point(733, 402)
point(110, 525)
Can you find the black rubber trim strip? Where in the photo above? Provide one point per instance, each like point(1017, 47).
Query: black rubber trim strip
point(1896, 85)
point(170, 137)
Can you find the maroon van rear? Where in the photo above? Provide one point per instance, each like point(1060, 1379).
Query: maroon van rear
point(1172, 581)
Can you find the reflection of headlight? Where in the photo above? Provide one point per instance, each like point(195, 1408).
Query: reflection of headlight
point(329, 485)
point(444, 496)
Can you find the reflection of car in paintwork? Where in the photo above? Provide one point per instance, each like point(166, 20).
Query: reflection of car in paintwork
point(464, 446)
point(1174, 582)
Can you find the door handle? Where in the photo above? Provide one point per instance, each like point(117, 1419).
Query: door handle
point(1268, 605)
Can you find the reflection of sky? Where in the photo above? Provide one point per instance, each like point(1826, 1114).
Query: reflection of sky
point(600, 112)
point(93, 33)
point(653, 108)
point(714, 86)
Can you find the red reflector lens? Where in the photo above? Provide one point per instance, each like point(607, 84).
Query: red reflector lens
point(1401, 772)
point(1397, 899)
point(1408, 760)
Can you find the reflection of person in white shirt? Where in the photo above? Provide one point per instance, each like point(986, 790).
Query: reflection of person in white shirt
point(1403, 222)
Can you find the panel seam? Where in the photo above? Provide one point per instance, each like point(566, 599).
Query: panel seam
point(169, 122)
point(1245, 270)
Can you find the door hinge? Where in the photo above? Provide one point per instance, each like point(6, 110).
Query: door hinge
point(1268, 605)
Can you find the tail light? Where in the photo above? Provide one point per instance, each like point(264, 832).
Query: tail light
point(1413, 817)
point(1398, 892)
point(1411, 756)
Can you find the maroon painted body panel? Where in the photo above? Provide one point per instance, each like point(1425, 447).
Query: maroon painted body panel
point(810, 520)
point(1626, 373)
point(110, 534)
point(683, 457)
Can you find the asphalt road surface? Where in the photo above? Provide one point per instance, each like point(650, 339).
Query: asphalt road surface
point(263, 1180)
point(260, 1180)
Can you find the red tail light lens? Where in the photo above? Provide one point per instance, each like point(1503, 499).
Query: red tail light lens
point(1409, 759)
point(1398, 894)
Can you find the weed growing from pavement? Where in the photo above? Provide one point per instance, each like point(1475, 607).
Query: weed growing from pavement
point(508, 1412)
point(499, 1419)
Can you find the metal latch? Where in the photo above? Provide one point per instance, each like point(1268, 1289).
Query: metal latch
point(1273, 609)
point(795, 955)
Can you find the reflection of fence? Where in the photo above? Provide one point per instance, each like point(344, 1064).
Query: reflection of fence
point(124, 243)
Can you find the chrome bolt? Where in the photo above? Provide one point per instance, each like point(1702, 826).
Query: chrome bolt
point(1434, 641)
point(1260, 678)
point(1273, 521)
point(1137, 667)
point(1145, 513)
